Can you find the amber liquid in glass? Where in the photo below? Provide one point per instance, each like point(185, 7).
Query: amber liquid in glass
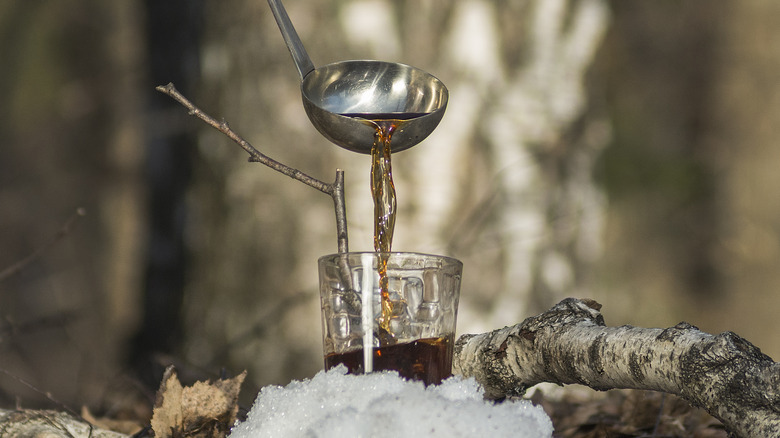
point(427, 360)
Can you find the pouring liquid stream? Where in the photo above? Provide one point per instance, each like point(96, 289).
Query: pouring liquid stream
point(384, 196)
point(383, 192)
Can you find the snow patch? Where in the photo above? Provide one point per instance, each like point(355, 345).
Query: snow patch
point(336, 404)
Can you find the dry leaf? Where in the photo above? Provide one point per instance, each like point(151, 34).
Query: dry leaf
point(203, 410)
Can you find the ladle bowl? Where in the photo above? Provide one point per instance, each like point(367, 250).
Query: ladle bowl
point(347, 101)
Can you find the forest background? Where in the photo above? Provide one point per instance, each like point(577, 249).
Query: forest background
point(624, 151)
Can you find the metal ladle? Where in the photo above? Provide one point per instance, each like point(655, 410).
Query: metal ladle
point(348, 101)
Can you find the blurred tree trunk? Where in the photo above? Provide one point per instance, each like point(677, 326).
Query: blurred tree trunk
point(71, 125)
point(172, 45)
point(746, 120)
point(694, 225)
point(503, 184)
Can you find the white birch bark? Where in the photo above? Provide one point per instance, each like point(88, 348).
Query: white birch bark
point(49, 424)
point(724, 374)
point(499, 150)
point(537, 105)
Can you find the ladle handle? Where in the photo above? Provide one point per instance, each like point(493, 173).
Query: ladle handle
point(294, 44)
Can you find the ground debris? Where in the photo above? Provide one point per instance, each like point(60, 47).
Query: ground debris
point(128, 427)
point(623, 413)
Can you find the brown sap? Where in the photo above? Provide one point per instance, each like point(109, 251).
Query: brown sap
point(427, 360)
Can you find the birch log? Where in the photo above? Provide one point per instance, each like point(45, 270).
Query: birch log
point(49, 424)
point(724, 374)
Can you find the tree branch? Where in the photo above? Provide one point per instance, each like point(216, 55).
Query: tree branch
point(724, 374)
point(34, 423)
point(335, 190)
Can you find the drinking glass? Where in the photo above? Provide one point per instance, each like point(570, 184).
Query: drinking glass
point(410, 330)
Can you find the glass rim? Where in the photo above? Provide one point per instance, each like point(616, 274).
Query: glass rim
point(392, 254)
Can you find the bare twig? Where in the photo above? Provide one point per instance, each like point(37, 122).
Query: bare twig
point(335, 189)
point(62, 232)
point(341, 211)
